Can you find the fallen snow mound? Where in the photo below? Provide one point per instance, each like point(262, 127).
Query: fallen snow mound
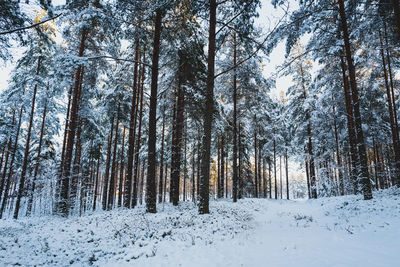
point(119, 235)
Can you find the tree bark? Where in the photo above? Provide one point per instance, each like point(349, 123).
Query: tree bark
point(76, 167)
point(27, 146)
point(104, 200)
point(308, 178)
point(8, 150)
point(338, 158)
point(235, 181)
point(287, 174)
point(208, 114)
point(63, 202)
point(131, 137)
point(364, 179)
point(111, 191)
point(259, 169)
point(96, 185)
point(35, 173)
point(138, 143)
point(121, 171)
point(151, 196)
point(221, 181)
point(393, 126)
point(11, 168)
point(255, 162)
point(160, 183)
point(350, 127)
point(276, 183)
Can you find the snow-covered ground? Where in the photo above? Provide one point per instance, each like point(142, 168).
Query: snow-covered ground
point(339, 231)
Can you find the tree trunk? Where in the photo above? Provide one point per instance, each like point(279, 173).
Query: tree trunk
point(308, 178)
point(239, 171)
point(264, 179)
point(151, 196)
point(184, 167)
point(121, 171)
point(313, 183)
point(131, 136)
point(108, 162)
point(350, 127)
point(138, 143)
point(63, 202)
point(111, 191)
point(364, 179)
point(235, 181)
point(160, 184)
point(287, 174)
point(259, 170)
point(176, 157)
point(208, 114)
point(255, 162)
point(221, 181)
point(30, 201)
point(11, 169)
point(96, 184)
point(338, 158)
point(76, 167)
point(65, 137)
point(269, 178)
point(198, 164)
point(7, 154)
point(280, 176)
point(218, 165)
point(27, 146)
point(276, 183)
point(392, 111)
point(193, 172)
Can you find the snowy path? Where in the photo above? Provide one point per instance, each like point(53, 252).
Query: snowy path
point(298, 233)
point(341, 231)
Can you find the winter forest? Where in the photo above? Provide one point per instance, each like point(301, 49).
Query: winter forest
point(199, 133)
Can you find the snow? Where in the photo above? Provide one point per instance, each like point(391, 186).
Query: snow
point(336, 231)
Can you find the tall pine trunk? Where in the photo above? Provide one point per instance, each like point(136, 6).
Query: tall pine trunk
point(176, 157)
point(160, 181)
point(27, 146)
point(7, 155)
point(35, 173)
point(364, 179)
point(392, 117)
point(131, 136)
point(63, 201)
point(208, 114)
point(235, 181)
point(104, 200)
point(276, 183)
point(287, 173)
point(151, 196)
point(138, 143)
point(350, 127)
point(121, 170)
point(111, 191)
point(221, 182)
point(255, 162)
point(96, 185)
point(11, 168)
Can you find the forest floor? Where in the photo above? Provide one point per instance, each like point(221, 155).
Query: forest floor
point(336, 231)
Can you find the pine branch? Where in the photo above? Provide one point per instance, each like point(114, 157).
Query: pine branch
point(119, 59)
point(255, 51)
point(30, 26)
